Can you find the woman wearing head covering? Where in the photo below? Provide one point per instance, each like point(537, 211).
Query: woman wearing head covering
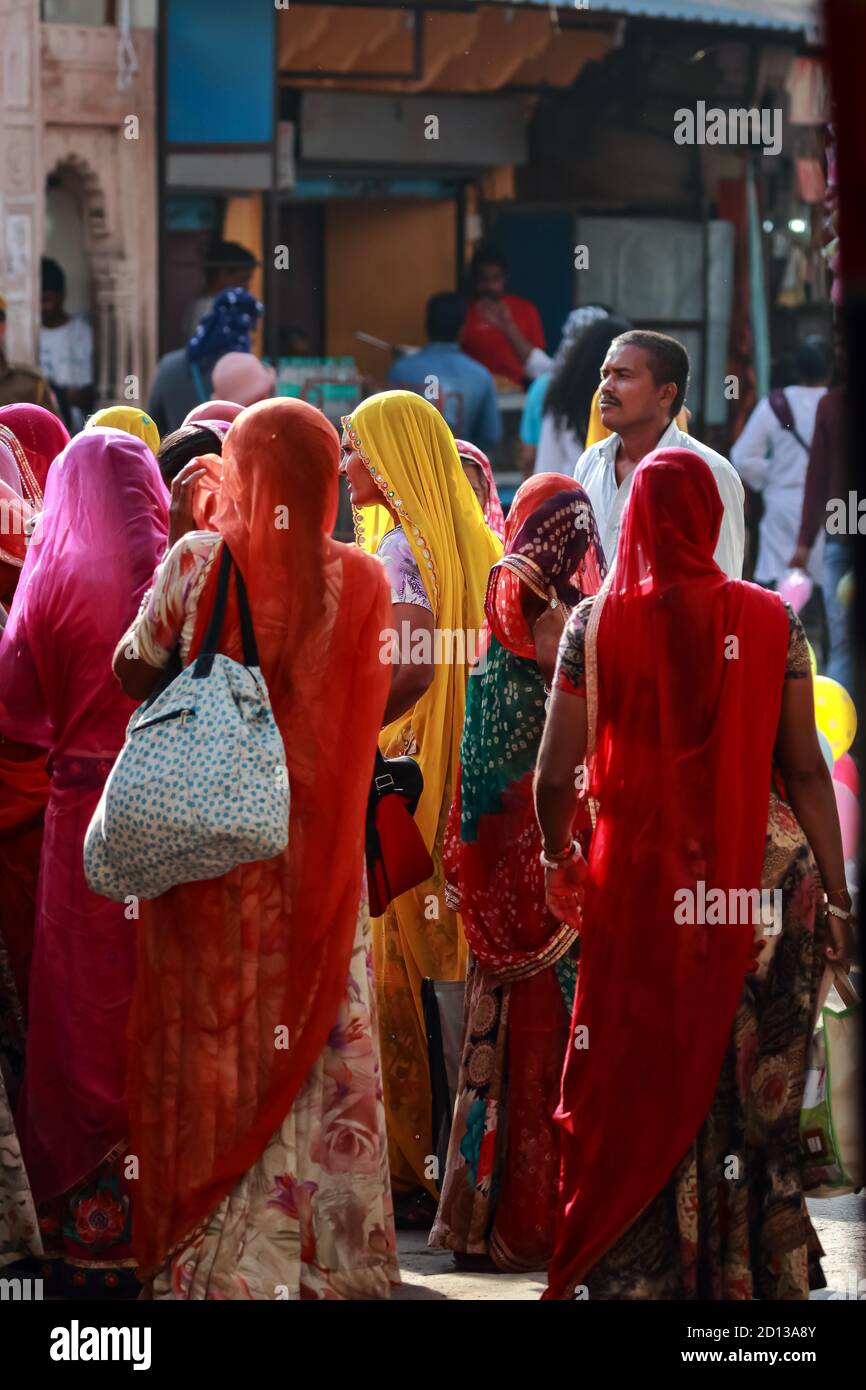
point(500, 1186)
point(242, 377)
point(255, 1110)
point(39, 437)
point(23, 797)
point(227, 411)
point(413, 503)
point(183, 377)
point(479, 471)
point(188, 443)
point(23, 782)
point(130, 420)
point(101, 532)
point(702, 928)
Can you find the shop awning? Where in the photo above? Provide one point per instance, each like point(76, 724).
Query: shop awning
point(790, 15)
point(487, 48)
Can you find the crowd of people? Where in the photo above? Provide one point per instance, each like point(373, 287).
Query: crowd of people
point(224, 1091)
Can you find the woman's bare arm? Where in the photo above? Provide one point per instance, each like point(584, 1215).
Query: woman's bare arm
point(413, 672)
point(562, 752)
point(810, 792)
point(136, 676)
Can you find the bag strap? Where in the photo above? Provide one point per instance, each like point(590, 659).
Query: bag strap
point(383, 781)
point(844, 988)
point(781, 408)
point(205, 659)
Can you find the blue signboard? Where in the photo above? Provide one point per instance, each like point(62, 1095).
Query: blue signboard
point(220, 72)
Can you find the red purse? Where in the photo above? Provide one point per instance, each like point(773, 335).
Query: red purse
point(397, 857)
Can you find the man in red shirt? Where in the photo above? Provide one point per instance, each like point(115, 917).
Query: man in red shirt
point(502, 331)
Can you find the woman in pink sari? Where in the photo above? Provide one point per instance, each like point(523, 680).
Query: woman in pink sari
point(40, 437)
point(479, 471)
point(102, 531)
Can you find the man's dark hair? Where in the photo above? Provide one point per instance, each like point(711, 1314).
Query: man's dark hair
point(230, 253)
point(668, 360)
point(486, 255)
point(814, 361)
point(53, 279)
point(574, 381)
point(446, 314)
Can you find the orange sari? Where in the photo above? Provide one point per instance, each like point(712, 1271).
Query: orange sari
point(226, 965)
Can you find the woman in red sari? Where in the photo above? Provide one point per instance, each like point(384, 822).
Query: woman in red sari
point(30, 439)
point(98, 538)
point(685, 1069)
point(499, 1190)
point(255, 1087)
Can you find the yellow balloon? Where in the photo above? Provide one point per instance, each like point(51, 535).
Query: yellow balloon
point(835, 714)
point(813, 660)
point(845, 589)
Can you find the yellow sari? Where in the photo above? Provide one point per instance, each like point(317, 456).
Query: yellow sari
point(411, 454)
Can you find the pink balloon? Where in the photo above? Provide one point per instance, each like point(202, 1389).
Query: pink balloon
point(795, 587)
point(845, 771)
point(849, 818)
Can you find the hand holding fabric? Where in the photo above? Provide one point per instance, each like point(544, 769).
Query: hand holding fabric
point(563, 888)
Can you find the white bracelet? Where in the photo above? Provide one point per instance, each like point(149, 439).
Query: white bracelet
point(565, 859)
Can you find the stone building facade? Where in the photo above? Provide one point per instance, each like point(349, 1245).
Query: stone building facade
point(78, 109)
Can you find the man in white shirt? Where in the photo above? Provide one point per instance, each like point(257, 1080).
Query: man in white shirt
point(643, 385)
point(65, 349)
point(772, 455)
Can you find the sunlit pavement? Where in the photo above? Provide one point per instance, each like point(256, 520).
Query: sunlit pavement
point(430, 1274)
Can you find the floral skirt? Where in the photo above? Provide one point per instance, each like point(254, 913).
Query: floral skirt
point(313, 1219)
point(86, 1237)
point(732, 1222)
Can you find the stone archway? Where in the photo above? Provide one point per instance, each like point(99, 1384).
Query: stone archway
point(110, 272)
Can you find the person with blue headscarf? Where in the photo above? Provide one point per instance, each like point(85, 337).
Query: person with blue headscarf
point(183, 377)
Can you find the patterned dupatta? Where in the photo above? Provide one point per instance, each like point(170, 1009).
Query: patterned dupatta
point(551, 540)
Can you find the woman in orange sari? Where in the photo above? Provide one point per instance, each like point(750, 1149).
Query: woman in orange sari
point(255, 1090)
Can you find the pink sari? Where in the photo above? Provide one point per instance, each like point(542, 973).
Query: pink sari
point(493, 513)
point(102, 531)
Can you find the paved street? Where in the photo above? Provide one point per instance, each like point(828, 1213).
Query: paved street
point(430, 1274)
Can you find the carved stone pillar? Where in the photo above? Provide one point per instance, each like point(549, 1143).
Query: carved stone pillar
point(21, 176)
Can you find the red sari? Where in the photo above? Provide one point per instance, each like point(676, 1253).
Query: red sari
point(23, 779)
point(684, 671)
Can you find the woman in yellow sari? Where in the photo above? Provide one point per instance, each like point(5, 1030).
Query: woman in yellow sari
point(414, 506)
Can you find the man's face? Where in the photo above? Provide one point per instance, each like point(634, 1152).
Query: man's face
point(490, 282)
point(628, 394)
point(52, 305)
point(234, 277)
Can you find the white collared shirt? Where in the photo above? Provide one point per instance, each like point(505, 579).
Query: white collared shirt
point(769, 459)
point(596, 471)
